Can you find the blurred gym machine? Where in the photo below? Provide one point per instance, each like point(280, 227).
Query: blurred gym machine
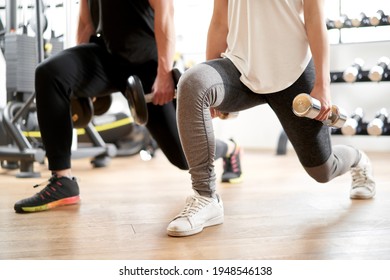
point(22, 55)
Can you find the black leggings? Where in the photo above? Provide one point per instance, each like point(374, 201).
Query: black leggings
point(216, 83)
point(89, 70)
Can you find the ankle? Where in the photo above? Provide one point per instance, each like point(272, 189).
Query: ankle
point(208, 194)
point(231, 147)
point(63, 173)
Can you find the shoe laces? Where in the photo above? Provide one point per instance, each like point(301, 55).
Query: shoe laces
point(50, 188)
point(194, 205)
point(359, 176)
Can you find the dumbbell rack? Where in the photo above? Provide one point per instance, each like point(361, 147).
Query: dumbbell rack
point(337, 76)
point(341, 52)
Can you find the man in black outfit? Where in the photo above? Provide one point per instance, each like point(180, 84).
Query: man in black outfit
point(115, 39)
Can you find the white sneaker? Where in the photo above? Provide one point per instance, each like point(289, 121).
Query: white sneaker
point(363, 184)
point(199, 212)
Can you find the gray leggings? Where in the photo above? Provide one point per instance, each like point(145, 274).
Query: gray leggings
point(217, 84)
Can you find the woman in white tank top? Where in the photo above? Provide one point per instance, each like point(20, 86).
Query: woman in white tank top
point(261, 52)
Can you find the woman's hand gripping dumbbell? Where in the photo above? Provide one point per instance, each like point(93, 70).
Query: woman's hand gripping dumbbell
point(306, 106)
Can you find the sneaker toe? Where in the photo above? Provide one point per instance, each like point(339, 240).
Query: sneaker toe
point(182, 227)
point(362, 192)
point(18, 207)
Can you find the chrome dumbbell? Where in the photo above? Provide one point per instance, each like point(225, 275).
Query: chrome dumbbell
point(342, 22)
point(379, 18)
point(361, 20)
point(379, 125)
point(353, 125)
point(351, 74)
point(376, 73)
point(306, 106)
point(330, 24)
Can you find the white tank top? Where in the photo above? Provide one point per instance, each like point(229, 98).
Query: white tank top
point(267, 42)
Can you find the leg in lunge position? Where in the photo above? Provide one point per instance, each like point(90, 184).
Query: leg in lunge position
point(249, 65)
point(116, 40)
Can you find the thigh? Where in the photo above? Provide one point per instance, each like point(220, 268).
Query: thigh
point(310, 138)
point(86, 70)
point(221, 84)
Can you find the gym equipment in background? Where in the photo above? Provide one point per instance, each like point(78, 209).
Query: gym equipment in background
point(306, 106)
point(361, 20)
point(354, 72)
point(128, 137)
point(116, 129)
point(379, 18)
point(330, 24)
point(354, 124)
point(18, 151)
point(22, 54)
point(343, 22)
point(381, 70)
point(379, 125)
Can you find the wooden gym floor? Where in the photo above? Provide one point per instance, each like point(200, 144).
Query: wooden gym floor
point(277, 213)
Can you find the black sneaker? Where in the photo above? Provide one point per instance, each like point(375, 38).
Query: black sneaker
point(232, 166)
point(58, 192)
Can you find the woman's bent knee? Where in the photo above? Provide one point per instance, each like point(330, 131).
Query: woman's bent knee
point(322, 173)
point(320, 177)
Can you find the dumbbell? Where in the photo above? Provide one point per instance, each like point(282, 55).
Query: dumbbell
point(353, 125)
point(336, 77)
point(306, 106)
point(137, 100)
point(84, 108)
point(81, 111)
point(379, 18)
point(361, 20)
point(376, 73)
point(342, 21)
point(330, 24)
point(379, 125)
point(353, 72)
point(101, 104)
